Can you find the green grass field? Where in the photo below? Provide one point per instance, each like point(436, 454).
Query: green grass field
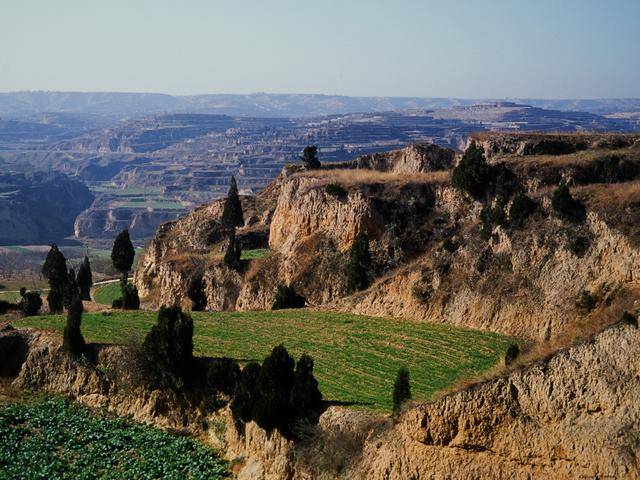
point(255, 253)
point(106, 294)
point(356, 357)
point(55, 440)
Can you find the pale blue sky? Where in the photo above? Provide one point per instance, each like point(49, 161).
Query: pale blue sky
point(477, 49)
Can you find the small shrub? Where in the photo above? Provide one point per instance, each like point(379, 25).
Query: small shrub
point(309, 157)
point(612, 169)
point(577, 243)
point(566, 206)
point(511, 354)
point(472, 175)
point(169, 347)
point(130, 299)
point(224, 375)
point(585, 302)
point(6, 306)
point(335, 190)
point(401, 390)
point(30, 303)
point(522, 207)
point(286, 297)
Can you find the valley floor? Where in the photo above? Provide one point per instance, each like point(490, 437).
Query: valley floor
point(356, 357)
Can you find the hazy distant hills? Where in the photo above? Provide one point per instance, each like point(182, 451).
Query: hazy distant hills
point(128, 105)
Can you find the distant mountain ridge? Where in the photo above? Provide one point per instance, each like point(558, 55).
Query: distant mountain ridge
point(127, 105)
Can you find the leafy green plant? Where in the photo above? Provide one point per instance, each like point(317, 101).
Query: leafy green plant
point(55, 439)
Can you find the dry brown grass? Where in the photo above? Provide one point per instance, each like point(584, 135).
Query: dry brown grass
point(583, 157)
point(484, 135)
point(352, 177)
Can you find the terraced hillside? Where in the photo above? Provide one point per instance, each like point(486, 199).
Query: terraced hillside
point(356, 358)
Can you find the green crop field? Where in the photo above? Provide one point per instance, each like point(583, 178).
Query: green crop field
point(106, 294)
point(54, 439)
point(356, 357)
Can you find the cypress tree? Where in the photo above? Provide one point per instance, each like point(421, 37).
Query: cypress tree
point(122, 255)
point(309, 157)
point(401, 389)
point(272, 408)
point(169, 347)
point(232, 216)
point(54, 271)
point(234, 251)
point(306, 398)
point(247, 393)
point(197, 294)
point(71, 290)
point(84, 279)
point(359, 264)
point(72, 340)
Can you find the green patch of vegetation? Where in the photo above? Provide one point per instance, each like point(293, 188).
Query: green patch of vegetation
point(255, 253)
point(356, 357)
point(106, 294)
point(155, 204)
point(55, 439)
point(127, 192)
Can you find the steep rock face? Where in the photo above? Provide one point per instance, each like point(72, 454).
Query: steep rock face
point(515, 283)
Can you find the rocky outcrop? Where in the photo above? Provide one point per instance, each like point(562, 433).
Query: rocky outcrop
point(552, 419)
point(39, 207)
point(108, 222)
point(416, 158)
point(501, 144)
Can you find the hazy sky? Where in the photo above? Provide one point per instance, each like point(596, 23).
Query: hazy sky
point(481, 48)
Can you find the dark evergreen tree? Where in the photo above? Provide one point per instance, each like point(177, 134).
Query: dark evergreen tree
point(306, 399)
point(522, 207)
point(359, 265)
point(54, 271)
point(197, 294)
point(247, 393)
point(286, 297)
point(71, 290)
point(401, 389)
point(309, 157)
point(234, 252)
point(224, 375)
point(511, 354)
point(30, 302)
point(84, 279)
point(566, 206)
point(272, 409)
point(169, 347)
point(232, 216)
point(472, 174)
point(72, 340)
point(122, 255)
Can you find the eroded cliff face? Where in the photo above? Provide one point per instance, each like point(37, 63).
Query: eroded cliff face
point(435, 257)
point(552, 419)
